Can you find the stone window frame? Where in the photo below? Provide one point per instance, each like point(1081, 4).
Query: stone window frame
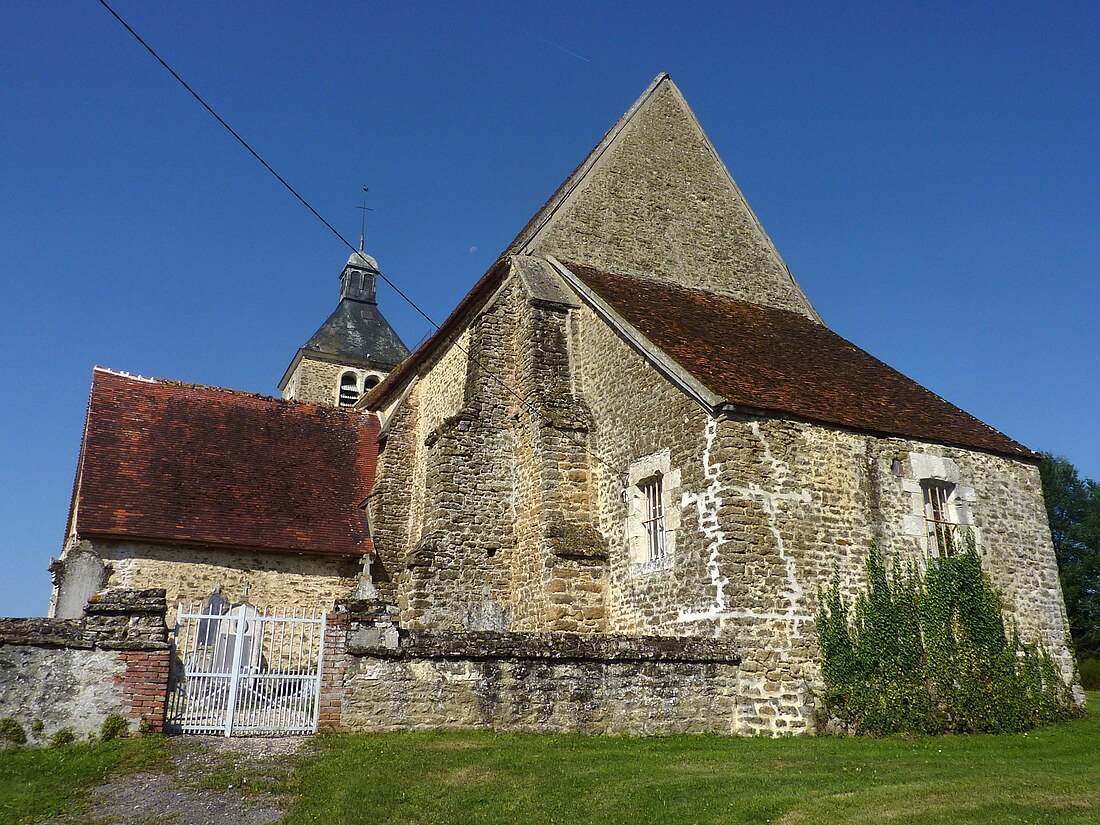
point(926, 472)
point(645, 470)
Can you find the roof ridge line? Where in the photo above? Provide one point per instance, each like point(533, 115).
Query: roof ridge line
point(191, 385)
point(546, 212)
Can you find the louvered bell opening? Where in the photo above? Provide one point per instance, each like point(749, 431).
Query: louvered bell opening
point(349, 389)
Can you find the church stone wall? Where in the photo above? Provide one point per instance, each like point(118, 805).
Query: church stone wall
point(190, 573)
point(315, 382)
point(767, 509)
point(763, 511)
point(378, 678)
point(660, 205)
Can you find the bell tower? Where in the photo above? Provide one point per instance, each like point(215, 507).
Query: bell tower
point(352, 351)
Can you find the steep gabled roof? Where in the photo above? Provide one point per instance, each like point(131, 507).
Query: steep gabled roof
point(653, 199)
point(169, 462)
point(781, 362)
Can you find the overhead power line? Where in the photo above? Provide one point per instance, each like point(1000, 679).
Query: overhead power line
point(331, 228)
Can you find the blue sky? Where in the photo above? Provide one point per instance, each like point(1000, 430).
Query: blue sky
point(930, 175)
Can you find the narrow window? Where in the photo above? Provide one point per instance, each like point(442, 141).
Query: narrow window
point(939, 517)
point(654, 517)
point(349, 389)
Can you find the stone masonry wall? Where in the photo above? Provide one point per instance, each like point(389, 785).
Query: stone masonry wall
point(382, 679)
point(190, 573)
point(760, 511)
point(316, 382)
point(499, 531)
point(660, 205)
point(769, 508)
point(75, 672)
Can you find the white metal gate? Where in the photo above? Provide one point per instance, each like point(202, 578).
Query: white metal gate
point(245, 671)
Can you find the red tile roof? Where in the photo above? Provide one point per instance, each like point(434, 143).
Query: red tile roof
point(777, 361)
point(171, 462)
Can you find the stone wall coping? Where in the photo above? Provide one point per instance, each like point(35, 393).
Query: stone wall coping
point(603, 647)
point(40, 632)
point(117, 619)
point(125, 600)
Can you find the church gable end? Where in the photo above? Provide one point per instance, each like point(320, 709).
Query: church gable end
point(654, 200)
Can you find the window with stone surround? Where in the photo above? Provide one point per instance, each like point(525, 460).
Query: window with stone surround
point(653, 517)
point(940, 518)
point(941, 515)
point(654, 520)
point(349, 389)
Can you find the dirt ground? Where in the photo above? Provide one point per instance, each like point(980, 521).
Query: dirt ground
point(204, 784)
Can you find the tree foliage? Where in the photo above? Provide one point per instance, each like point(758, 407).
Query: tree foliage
point(929, 653)
point(1073, 508)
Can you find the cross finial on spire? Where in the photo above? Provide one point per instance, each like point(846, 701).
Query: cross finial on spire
point(363, 223)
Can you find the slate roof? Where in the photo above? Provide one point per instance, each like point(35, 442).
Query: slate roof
point(782, 362)
point(357, 334)
point(172, 462)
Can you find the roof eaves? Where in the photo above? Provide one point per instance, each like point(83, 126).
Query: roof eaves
point(367, 547)
point(661, 361)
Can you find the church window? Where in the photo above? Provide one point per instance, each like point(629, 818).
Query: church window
point(651, 491)
point(654, 517)
point(370, 382)
point(349, 389)
point(940, 520)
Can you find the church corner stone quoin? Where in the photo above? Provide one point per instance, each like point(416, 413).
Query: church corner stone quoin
point(601, 497)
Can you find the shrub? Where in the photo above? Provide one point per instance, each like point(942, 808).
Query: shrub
point(12, 731)
point(37, 726)
point(113, 727)
point(1090, 674)
point(929, 653)
point(147, 728)
point(62, 736)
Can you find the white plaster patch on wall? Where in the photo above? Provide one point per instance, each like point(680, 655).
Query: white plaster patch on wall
point(769, 501)
point(708, 503)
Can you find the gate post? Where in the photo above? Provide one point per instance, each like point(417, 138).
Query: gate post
point(330, 693)
point(235, 674)
point(131, 622)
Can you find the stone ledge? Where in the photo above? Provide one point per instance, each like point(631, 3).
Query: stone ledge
point(40, 632)
point(123, 600)
point(600, 647)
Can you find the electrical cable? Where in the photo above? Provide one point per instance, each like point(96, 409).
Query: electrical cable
point(453, 341)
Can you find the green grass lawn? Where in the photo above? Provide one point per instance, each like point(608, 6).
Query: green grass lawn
point(36, 783)
point(1051, 775)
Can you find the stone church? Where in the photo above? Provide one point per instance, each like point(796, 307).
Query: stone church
point(634, 426)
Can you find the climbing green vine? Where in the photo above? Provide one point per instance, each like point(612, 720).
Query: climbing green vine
point(929, 653)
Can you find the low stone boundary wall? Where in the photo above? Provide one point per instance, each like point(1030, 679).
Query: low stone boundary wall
point(73, 673)
point(379, 678)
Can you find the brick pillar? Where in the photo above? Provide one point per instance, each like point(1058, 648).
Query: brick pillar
point(144, 685)
point(333, 666)
point(132, 623)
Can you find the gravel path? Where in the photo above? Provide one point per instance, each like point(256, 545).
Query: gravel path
point(201, 785)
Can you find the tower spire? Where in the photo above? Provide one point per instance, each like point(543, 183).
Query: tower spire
point(363, 221)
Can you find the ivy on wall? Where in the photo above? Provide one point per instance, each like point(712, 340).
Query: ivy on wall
point(929, 652)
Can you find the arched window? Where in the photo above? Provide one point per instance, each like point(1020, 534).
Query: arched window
point(370, 382)
point(349, 389)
